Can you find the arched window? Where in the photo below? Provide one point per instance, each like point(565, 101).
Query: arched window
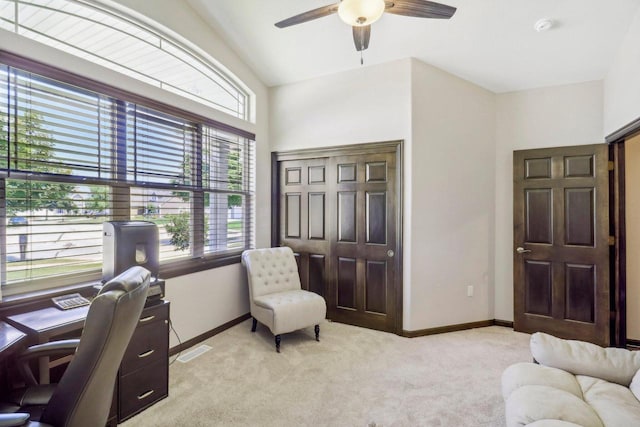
point(97, 32)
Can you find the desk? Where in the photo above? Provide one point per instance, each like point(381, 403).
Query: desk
point(47, 323)
point(143, 377)
point(10, 339)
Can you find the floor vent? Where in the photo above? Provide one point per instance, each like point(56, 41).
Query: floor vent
point(192, 354)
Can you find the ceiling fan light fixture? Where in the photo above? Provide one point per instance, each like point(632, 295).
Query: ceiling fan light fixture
point(358, 13)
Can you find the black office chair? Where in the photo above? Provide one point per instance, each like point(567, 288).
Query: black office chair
point(83, 396)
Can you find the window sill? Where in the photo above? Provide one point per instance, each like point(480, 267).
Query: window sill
point(34, 300)
point(182, 268)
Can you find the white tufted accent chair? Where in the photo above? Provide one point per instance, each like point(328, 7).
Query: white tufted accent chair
point(276, 297)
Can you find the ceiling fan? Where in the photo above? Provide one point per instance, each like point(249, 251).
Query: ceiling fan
point(360, 14)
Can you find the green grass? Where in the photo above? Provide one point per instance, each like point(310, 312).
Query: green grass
point(24, 270)
point(159, 221)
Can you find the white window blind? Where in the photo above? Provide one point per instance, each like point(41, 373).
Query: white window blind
point(228, 165)
point(57, 128)
point(54, 230)
point(72, 158)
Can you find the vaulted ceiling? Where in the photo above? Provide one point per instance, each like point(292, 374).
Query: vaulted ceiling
point(492, 43)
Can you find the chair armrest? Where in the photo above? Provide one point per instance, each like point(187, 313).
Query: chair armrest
point(19, 419)
point(13, 420)
point(53, 348)
point(582, 358)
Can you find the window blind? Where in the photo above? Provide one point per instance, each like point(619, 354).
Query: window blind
point(228, 167)
point(72, 157)
point(56, 128)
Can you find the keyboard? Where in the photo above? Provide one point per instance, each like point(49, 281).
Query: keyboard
point(66, 302)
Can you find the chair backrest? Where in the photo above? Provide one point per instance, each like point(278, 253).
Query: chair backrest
point(271, 270)
point(83, 395)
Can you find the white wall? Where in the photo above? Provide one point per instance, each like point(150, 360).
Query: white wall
point(205, 300)
point(548, 117)
point(622, 83)
point(370, 104)
point(452, 201)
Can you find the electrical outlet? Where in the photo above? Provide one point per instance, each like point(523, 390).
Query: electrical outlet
point(470, 290)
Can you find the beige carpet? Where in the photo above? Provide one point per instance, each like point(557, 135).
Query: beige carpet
point(352, 377)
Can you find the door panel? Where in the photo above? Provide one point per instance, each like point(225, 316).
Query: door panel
point(317, 273)
point(347, 216)
point(294, 213)
point(376, 296)
point(538, 215)
point(581, 291)
point(376, 212)
point(304, 219)
point(346, 292)
point(339, 214)
point(579, 216)
point(538, 287)
point(317, 218)
point(561, 249)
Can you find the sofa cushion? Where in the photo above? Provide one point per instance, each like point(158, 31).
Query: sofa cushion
point(582, 358)
point(532, 403)
point(635, 385)
point(288, 311)
point(615, 404)
point(552, 423)
point(523, 374)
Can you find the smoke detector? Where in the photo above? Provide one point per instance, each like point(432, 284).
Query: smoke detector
point(543, 25)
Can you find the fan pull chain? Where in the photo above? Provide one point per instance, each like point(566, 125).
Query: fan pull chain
point(361, 60)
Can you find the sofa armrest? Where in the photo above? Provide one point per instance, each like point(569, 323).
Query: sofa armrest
point(582, 358)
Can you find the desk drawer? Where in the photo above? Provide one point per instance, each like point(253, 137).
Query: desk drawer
point(149, 344)
point(154, 313)
point(143, 388)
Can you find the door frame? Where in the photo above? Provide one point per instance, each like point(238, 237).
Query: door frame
point(617, 209)
point(348, 150)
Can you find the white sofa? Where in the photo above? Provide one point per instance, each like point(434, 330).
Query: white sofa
point(574, 383)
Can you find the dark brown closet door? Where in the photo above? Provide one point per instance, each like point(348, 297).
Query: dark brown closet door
point(340, 215)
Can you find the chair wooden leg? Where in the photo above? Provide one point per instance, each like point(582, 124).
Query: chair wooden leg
point(278, 339)
point(317, 330)
point(253, 326)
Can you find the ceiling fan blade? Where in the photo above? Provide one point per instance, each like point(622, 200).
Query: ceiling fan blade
point(361, 37)
point(308, 16)
point(420, 9)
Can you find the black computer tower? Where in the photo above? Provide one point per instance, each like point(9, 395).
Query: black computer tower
point(127, 244)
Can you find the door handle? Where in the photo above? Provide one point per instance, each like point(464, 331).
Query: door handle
point(522, 250)
point(390, 253)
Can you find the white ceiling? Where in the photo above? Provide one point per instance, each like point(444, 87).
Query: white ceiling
point(489, 42)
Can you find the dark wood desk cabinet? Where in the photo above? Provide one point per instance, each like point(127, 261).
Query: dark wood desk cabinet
point(143, 378)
